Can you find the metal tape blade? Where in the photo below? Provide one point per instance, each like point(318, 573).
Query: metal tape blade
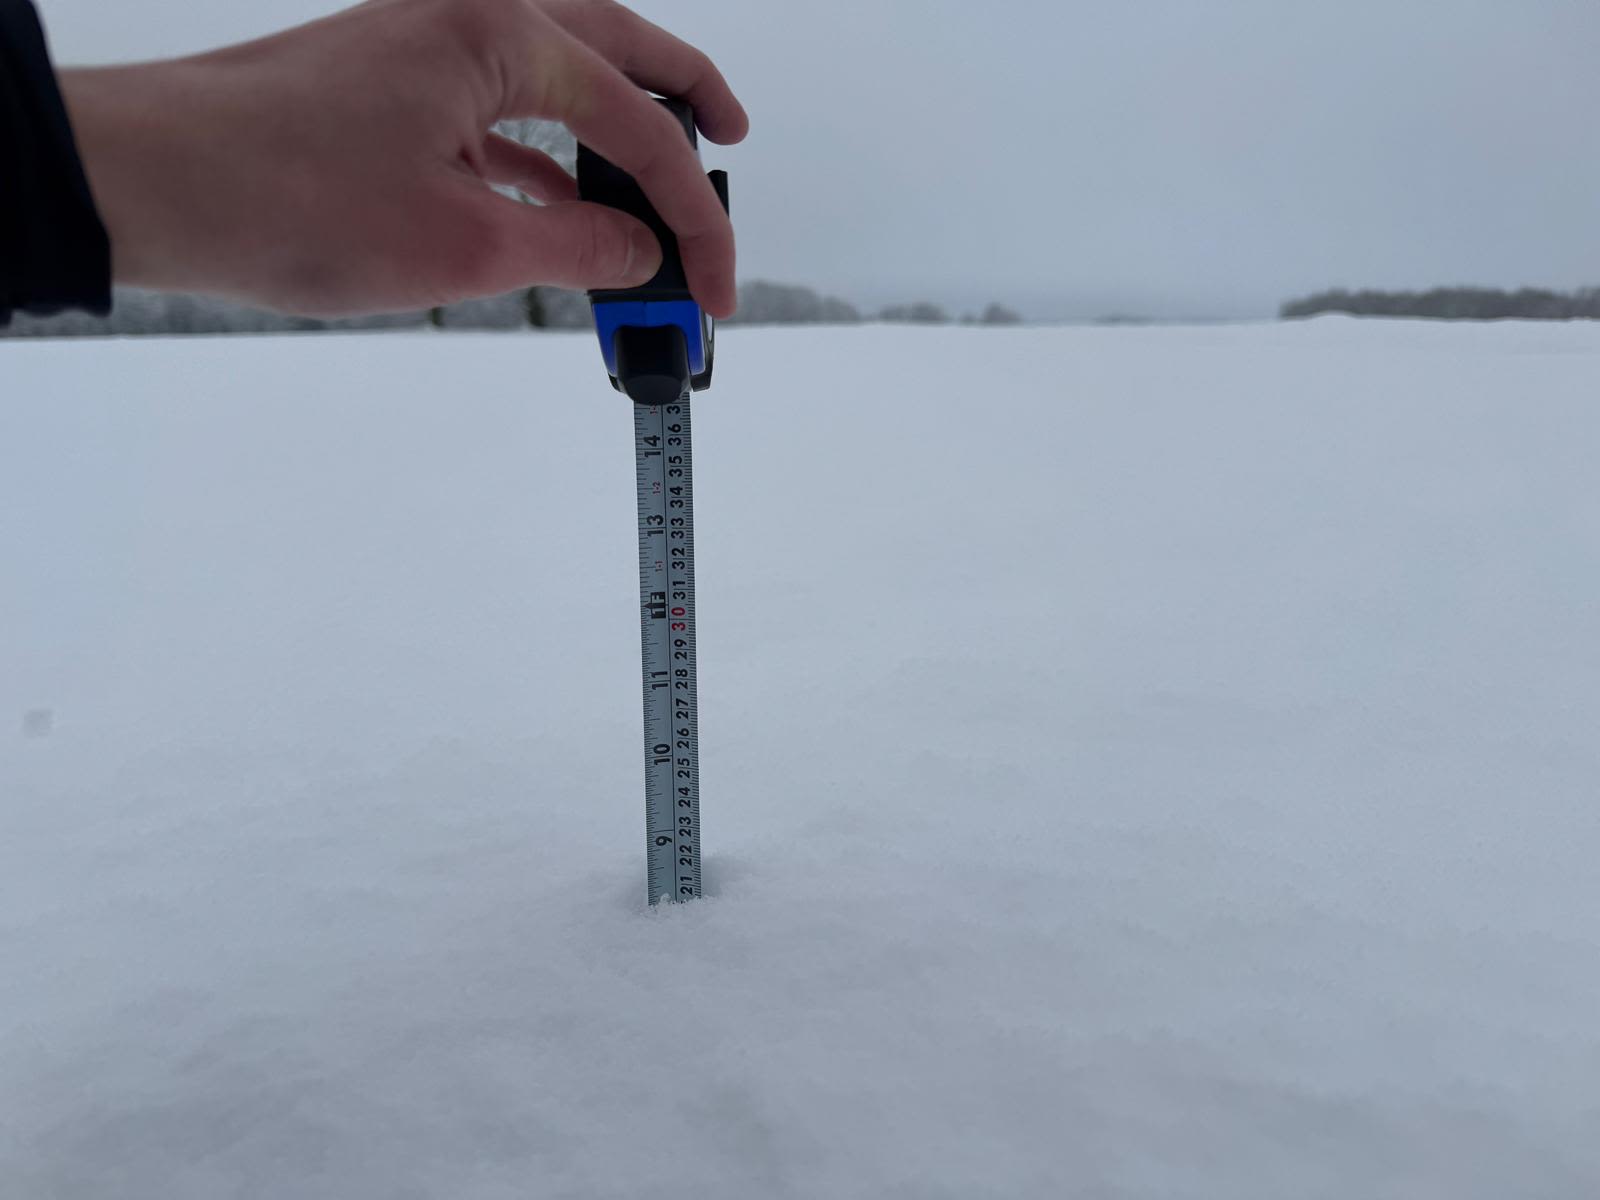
point(664, 460)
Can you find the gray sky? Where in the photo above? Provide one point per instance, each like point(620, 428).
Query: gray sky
point(1163, 157)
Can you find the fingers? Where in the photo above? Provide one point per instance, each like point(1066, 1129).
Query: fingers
point(530, 171)
point(655, 59)
point(564, 80)
point(572, 245)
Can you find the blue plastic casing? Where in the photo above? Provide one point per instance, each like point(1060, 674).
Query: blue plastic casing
point(610, 316)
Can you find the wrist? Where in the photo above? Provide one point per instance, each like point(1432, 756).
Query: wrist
point(127, 122)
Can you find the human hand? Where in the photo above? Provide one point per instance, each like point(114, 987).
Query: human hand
point(344, 166)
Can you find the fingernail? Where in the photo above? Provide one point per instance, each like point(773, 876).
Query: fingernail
point(644, 257)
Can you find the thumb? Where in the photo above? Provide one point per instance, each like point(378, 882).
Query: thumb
point(574, 245)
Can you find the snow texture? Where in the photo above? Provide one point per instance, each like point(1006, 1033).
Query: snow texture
point(1138, 763)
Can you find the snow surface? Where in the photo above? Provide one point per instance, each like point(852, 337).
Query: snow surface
point(1139, 763)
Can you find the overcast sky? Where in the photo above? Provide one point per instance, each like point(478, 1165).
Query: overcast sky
point(1160, 157)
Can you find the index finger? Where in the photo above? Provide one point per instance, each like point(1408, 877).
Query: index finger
point(656, 59)
point(571, 83)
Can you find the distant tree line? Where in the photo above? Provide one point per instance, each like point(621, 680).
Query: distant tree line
point(765, 303)
point(1454, 304)
point(923, 313)
point(137, 312)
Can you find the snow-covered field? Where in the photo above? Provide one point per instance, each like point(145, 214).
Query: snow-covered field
point(1139, 763)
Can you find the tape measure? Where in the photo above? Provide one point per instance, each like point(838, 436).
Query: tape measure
point(658, 348)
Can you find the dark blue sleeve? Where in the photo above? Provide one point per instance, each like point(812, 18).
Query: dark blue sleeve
point(54, 252)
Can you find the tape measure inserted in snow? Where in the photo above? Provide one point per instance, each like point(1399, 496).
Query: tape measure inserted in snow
point(658, 345)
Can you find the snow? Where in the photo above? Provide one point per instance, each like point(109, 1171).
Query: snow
point(1138, 763)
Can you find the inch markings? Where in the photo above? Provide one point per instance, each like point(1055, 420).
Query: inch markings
point(664, 459)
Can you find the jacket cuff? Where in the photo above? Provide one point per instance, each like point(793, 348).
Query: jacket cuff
point(54, 252)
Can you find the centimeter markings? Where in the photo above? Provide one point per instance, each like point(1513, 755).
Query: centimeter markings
point(665, 463)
